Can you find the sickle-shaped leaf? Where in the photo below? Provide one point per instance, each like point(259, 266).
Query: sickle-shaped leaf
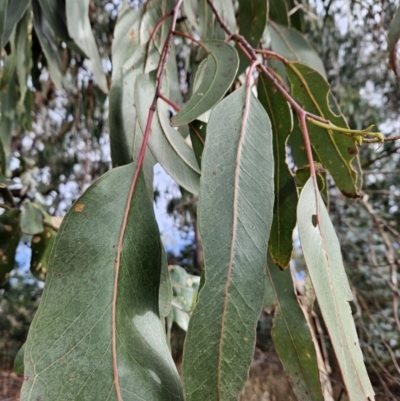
point(291, 335)
point(292, 45)
point(334, 150)
point(235, 215)
point(219, 73)
point(71, 348)
point(284, 222)
point(160, 147)
point(322, 254)
point(80, 31)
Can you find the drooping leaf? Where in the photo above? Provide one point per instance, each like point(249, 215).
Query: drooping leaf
point(334, 150)
point(393, 39)
point(292, 45)
point(220, 71)
point(23, 47)
point(291, 335)
point(31, 219)
point(41, 246)
point(3, 15)
point(8, 104)
point(235, 216)
point(19, 361)
point(184, 287)
point(80, 30)
point(16, 9)
point(158, 144)
point(175, 138)
point(252, 20)
point(74, 360)
point(189, 10)
point(278, 12)
point(9, 239)
point(48, 43)
point(54, 11)
point(198, 136)
point(322, 254)
point(284, 221)
point(208, 25)
point(9, 60)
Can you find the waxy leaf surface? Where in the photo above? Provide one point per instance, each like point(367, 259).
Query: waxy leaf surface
point(220, 71)
point(70, 351)
point(291, 334)
point(178, 168)
point(235, 216)
point(323, 257)
point(292, 45)
point(284, 222)
point(335, 151)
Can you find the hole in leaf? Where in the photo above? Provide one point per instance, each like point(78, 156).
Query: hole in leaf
point(314, 220)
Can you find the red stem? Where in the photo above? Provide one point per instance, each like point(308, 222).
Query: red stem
point(160, 72)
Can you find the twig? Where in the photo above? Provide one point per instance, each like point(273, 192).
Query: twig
point(169, 102)
point(160, 73)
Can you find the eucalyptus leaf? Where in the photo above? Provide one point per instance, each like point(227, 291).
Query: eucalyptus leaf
point(291, 335)
point(393, 39)
point(284, 221)
point(41, 246)
point(198, 131)
point(220, 71)
point(235, 216)
point(334, 150)
point(323, 257)
point(31, 219)
point(158, 144)
point(82, 291)
point(15, 10)
point(80, 30)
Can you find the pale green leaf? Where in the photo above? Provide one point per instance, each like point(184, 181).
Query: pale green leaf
point(74, 359)
point(284, 221)
point(31, 219)
point(323, 258)
point(292, 45)
point(335, 151)
point(291, 335)
point(218, 75)
point(80, 30)
point(158, 144)
point(235, 216)
point(189, 8)
point(165, 296)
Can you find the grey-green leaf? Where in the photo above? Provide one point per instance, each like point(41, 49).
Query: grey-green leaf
point(322, 254)
point(235, 216)
point(198, 131)
point(31, 219)
point(393, 39)
point(292, 45)
point(218, 75)
point(158, 144)
point(16, 9)
point(80, 31)
point(69, 352)
point(291, 335)
point(19, 361)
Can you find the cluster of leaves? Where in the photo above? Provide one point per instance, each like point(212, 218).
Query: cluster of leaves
point(108, 289)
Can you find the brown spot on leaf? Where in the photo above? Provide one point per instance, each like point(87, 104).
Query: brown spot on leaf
point(132, 34)
point(79, 207)
point(36, 239)
point(352, 151)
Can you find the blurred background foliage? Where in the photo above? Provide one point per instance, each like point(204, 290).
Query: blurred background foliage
point(55, 143)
